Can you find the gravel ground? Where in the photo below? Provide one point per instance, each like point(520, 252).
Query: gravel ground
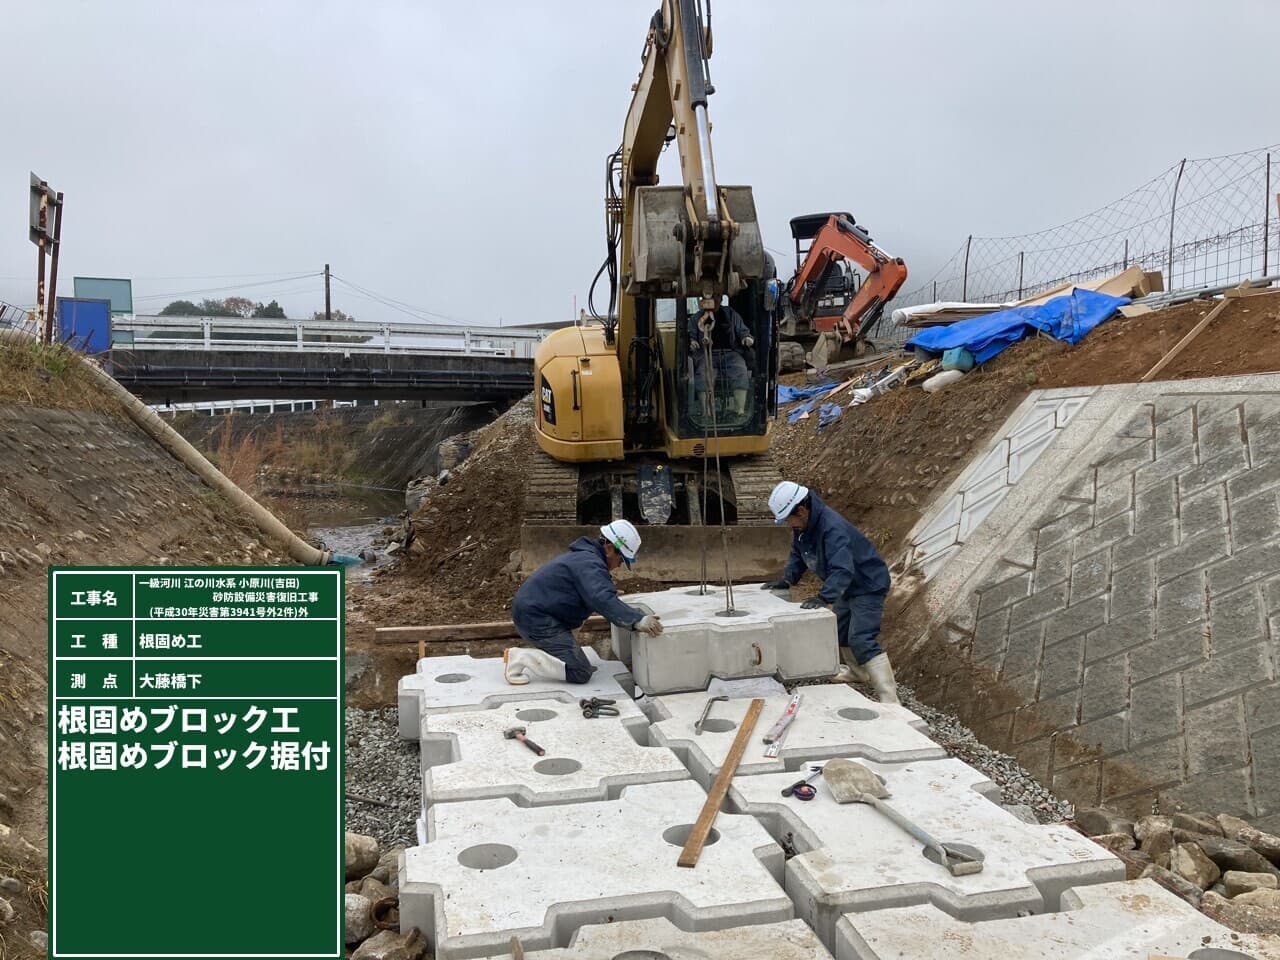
point(381, 766)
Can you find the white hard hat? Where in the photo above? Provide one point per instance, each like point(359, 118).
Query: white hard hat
point(624, 537)
point(784, 499)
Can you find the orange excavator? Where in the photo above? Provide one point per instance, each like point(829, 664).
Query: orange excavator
point(827, 301)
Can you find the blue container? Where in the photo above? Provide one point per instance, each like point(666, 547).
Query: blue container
point(85, 325)
point(957, 358)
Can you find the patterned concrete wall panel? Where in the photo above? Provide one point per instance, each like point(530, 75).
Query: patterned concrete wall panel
point(1128, 589)
point(983, 486)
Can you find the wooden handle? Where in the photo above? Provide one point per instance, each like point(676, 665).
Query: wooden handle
point(702, 828)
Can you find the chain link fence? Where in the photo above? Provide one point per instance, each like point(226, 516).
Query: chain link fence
point(1201, 222)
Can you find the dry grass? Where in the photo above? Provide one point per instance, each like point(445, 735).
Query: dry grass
point(51, 376)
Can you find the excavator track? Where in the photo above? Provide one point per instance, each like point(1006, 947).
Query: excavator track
point(753, 480)
point(551, 498)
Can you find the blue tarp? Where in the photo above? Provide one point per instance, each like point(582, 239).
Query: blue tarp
point(790, 394)
point(1069, 317)
point(828, 413)
point(801, 410)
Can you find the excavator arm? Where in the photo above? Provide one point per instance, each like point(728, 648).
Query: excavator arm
point(841, 239)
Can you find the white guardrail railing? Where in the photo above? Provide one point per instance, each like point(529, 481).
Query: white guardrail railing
point(306, 336)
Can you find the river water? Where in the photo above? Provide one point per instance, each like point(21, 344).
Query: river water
point(349, 519)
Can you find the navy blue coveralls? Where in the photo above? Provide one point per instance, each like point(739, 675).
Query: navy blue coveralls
point(560, 596)
point(854, 577)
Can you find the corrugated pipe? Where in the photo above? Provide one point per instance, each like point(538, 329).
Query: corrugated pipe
point(171, 440)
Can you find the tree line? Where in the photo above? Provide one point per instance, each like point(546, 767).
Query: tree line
point(240, 307)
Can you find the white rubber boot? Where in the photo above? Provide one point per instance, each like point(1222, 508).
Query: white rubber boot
point(523, 664)
point(881, 672)
point(850, 670)
point(740, 402)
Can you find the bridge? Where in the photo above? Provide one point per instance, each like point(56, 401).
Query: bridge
point(168, 360)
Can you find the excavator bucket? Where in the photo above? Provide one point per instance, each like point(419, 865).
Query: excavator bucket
point(662, 219)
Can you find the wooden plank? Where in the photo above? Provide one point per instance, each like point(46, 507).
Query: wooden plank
point(444, 633)
point(698, 835)
point(1184, 342)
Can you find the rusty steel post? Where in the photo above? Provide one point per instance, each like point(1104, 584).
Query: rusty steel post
point(964, 291)
point(935, 291)
point(328, 317)
point(1173, 209)
point(42, 320)
point(1126, 253)
point(53, 265)
point(1021, 254)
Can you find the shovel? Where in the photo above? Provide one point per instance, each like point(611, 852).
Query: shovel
point(851, 782)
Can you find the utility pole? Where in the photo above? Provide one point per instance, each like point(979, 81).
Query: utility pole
point(328, 315)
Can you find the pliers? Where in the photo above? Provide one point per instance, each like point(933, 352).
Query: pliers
point(598, 707)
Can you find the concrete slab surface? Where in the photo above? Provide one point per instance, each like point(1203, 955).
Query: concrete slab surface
point(466, 757)
point(1137, 919)
point(442, 684)
point(655, 939)
point(851, 858)
point(766, 635)
point(833, 720)
point(495, 871)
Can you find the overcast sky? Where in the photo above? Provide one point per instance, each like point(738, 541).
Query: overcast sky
point(451, 156)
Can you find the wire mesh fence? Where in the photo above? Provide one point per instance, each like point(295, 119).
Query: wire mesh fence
point(16, 318)
point(1200, 222)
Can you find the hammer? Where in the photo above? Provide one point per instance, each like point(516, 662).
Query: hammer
point(517, 733)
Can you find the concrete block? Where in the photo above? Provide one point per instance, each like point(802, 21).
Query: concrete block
point(1138, 918)
point(766, 635)
point(850, 858)
point(466, 757)
point(833, 720)
point(495, 870)
point(444, 684)
point(655, 939)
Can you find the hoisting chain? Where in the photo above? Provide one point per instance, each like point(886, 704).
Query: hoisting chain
point(705, 324)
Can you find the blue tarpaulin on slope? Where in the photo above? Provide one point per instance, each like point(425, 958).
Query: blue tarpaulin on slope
point(828, 413)
point(1069, 317)
point(790, 394)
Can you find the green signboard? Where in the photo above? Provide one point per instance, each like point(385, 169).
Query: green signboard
point(195, 762)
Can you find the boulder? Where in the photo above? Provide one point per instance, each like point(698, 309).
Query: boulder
point(1158, 845)
point(11, 885)
point(1234, 855)
point(1115, 842)
point(1232, 825)
point(6, 911)
point(388, 869)
point(1174, 884)
point(1197, 824)
point(374, 890)
point(1237, 882)
point(1096, 821)
point(1245, 917)
point(1146, 826)
point(40, 940)
point(359, 924)
point(1267, 844)
point(1190, 863)
point(1261, 898)
point(389, 945)
point(361, 854)
point(1023, 812)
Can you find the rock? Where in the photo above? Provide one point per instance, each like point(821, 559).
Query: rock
point(1261, 898)
point(6, 911)
point(1232, 825)
point(1151, 824)
point(39, 939)
point(1023, 812)
point(389, 945)
point(374, 890)
point(1135, 861)
point(1197, 824)
point(357, 665)
point(1218, 888)
point(359, 923)
point(1234, 855)
point(1190, 863)
point(1267, 844)
point(1095, 821)
point(1238, 882)
point(6, 807)
point(388, 869)
point(11, 885)
point(1115, 842)
point(362, 855)
point(1158, 846)
point(1174, 884)
point(353, 886)
point(1245, 917)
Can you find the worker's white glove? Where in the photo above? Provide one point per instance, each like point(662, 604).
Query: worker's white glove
point(693, 346)
point(748, 341)
point(650, 624)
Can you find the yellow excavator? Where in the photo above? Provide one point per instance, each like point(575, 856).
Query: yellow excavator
point(660, 410)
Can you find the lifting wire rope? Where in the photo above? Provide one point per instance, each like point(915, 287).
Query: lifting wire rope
point(705, 323)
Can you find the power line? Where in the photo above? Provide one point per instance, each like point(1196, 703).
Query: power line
point(230, 286)
point(421, 313)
